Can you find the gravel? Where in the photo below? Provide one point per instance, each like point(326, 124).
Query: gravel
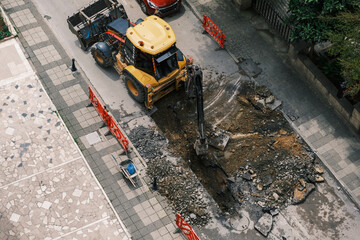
point(183, 191)
point(148, 142)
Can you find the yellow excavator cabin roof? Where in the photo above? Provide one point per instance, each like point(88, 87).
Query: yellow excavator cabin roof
point(152, 36)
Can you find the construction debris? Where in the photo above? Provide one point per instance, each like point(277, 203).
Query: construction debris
point(301, 193)
point(319, 170)
point(319, 178)
point(148, 142)
point(264, 224)
point(263, 165)
point(182, 189)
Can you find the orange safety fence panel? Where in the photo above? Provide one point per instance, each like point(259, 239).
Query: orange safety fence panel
point(109, 120)
point(214, 31)
point(185, 228)
point(114, 129)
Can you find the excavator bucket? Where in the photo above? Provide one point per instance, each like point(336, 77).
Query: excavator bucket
point(201, 148)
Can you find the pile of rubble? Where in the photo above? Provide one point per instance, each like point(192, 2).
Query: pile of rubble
point(148, 142)
point(290, 183)
point(263, 166)
point(182, 189)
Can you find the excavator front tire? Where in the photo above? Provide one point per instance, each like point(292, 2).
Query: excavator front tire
point(101, 58)
point(135, 90)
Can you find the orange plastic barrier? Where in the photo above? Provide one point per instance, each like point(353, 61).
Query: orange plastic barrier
point(109, 120)
point(185, 228)
point(214, 31)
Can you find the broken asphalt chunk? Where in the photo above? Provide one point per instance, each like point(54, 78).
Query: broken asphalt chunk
point(301, 195)
point(246, 176)
point(274, 105)
point(264, 224)
point(319, 178)
point(319, 170)
point(219, 139)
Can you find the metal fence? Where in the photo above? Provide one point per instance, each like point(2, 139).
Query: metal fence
point(274, 13)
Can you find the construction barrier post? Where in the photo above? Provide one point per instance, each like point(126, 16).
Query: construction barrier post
point(214, 31)
point(109, 120)
point(185, 228)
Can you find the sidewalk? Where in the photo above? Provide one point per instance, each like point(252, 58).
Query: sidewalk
point(145, 214)
point(45, 191)
point(335, 144)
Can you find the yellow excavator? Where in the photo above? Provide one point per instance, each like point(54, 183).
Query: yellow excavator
point(144, 52)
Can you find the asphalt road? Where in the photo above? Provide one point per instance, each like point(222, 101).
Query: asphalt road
point(107, 82)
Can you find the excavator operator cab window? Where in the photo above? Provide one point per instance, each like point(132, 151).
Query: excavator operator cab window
point(166, 62)
point(143, 61)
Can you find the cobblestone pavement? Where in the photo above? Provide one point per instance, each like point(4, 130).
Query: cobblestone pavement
point(145, 214)
point(334, 142)
point(46, 188)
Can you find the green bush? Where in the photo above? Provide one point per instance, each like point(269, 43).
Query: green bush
point(4, 30)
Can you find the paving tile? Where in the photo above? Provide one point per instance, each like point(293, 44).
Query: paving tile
point(12, 3)
point(314, 137)
point(354, 184)
point(79, 92)
point(46, 188)
point(47, 54)
point(35, 35)
point(22, 18)
point(60, 74)
point(323, 141)
point(155, 234)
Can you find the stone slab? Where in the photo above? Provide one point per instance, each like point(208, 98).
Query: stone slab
point(93, 138)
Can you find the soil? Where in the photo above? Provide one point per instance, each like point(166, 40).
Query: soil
point(264, 159)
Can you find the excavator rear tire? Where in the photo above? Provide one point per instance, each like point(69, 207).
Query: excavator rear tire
point(100, 58)
point(135, 90)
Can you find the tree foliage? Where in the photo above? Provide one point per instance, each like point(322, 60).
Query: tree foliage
point(345, 39)
point(305, 17)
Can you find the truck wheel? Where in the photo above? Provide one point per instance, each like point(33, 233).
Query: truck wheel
point(143, 7)
point(134, 89)
point(101, 58)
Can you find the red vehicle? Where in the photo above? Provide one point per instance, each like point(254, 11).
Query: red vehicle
point(161, 8)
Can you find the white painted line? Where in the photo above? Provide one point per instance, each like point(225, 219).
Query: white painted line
point(220, 94)
point(236, 89)
point(30, 176)
point(83, 227)
point(218, 122)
